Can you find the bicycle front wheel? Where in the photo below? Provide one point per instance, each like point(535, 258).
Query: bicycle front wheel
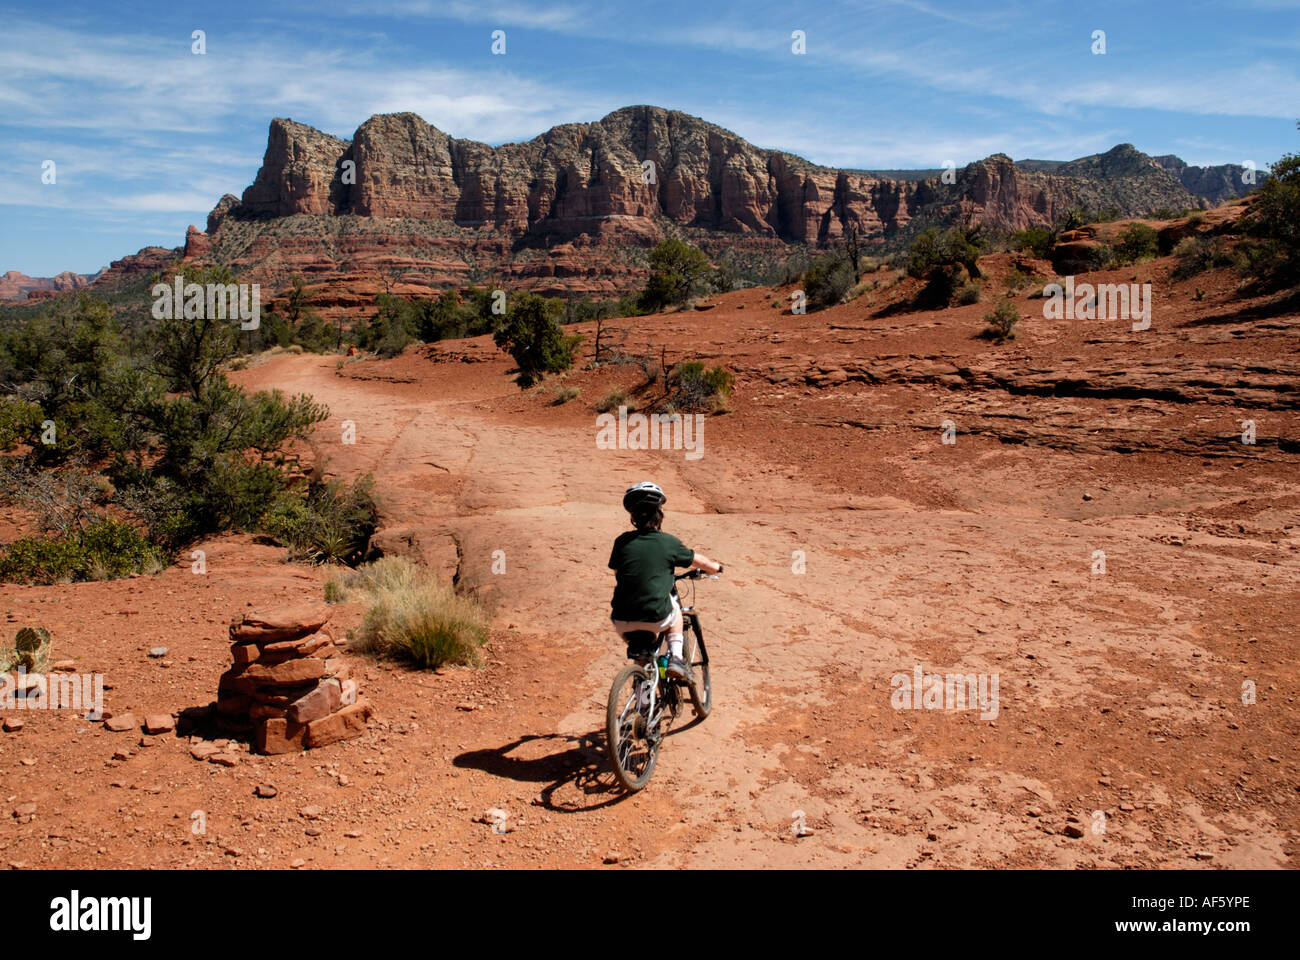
point(632, 750)
point(698, 657)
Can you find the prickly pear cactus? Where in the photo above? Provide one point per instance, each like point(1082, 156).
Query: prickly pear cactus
point(31, 650)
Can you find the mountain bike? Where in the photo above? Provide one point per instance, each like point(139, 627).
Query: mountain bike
point(645, 700)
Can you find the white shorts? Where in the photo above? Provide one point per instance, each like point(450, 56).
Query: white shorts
point(624, 627)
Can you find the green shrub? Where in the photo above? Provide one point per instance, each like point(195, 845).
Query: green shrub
point(392, 329)
point(40, 560)
point(413, 616)
point(1272, 252)
point(1002, 321)
point(1137, 242)
point(968, 293)
point(677, 272)
point(945, 261)
point(532, 335)
point(617, 397)
point(1100, 257)
point(1018, 277)
point(1037, 240)
point(20, 422)
point(174, 445)
point(564, 394)
point(959, 245)
point(826, 281)
point(106, 550)
point(942, 284)
point(333, 523)
point(1198, 254)
point(694, 387)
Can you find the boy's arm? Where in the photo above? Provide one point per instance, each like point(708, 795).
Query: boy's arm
point(702, 562)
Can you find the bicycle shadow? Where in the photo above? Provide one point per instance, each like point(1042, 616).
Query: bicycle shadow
point(584, 765)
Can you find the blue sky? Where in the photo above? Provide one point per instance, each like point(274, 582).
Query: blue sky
point(146, 136)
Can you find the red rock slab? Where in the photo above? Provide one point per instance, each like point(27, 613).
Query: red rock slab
point(348, 723)
point(280, 623)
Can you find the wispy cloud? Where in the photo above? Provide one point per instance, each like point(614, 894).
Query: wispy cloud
point(146, 133)
point(155, 84)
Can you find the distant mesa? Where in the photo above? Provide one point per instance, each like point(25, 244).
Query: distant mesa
point(573, 210)
point(19, 286)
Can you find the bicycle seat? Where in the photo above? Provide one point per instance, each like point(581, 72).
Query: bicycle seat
point(641, 644)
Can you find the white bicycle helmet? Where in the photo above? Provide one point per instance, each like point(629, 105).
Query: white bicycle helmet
point(643, 494)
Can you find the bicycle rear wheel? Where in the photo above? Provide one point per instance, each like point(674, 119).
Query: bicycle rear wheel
point(632, 753)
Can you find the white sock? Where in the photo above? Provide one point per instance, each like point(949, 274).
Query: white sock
point(675, 645)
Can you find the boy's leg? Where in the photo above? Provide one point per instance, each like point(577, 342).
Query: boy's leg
point(675, 642)
point(675, 636)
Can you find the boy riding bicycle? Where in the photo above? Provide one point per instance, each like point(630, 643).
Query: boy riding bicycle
point(643, 561)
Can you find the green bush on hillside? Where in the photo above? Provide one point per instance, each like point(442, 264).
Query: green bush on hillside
point(106, 550)
point(678, 271)
point(1137, 242)
point(826, 281)
point(333, 523)
point(532, 335)
point(692, 386)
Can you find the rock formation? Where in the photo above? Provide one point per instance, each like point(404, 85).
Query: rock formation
point(405, 207)
point(287, 688)
point(17, 286)
point(574, 209)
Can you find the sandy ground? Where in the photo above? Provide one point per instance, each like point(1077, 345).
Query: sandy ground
point(858, 546)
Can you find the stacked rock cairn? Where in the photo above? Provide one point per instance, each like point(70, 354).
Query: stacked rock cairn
point(288, 688)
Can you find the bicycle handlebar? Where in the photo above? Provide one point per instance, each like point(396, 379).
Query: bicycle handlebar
point(696, 574)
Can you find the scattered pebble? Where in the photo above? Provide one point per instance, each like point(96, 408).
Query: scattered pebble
point(158, 652)
point(266, 791)
point(120, 723)
point(158, 723)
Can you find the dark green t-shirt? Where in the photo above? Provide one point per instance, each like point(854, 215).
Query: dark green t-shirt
point(643, 564)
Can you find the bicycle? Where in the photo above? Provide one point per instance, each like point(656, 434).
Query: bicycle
point(644, 696)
